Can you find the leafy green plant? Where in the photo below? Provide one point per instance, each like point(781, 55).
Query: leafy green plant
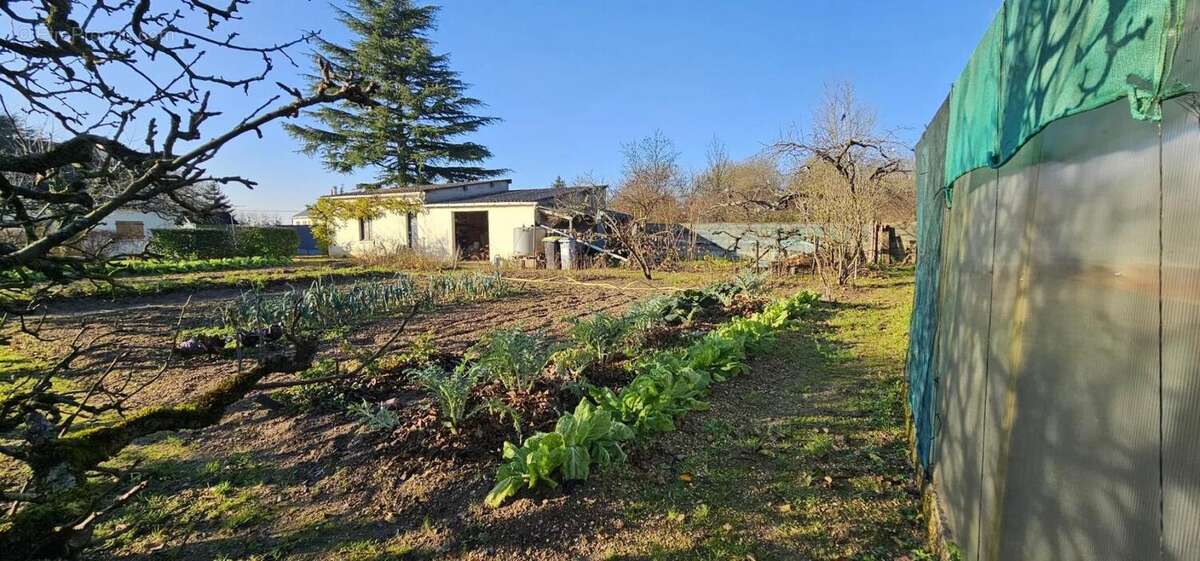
point(374, 417)
point(515, 358)
point(664, 389)
point(721, 357)
point(588, 437)
point(419, 352)
point(451, 391)
point(601, 334)
point(502, 410)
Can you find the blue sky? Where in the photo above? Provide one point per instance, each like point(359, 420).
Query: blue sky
point(574, 79)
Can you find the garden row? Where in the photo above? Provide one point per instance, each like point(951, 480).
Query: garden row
point(667, 385)
point(152, 267)
point(618, 378)
point(327, 308)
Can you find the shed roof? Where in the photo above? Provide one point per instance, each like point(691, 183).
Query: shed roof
point(416, 188)
point(519, 196)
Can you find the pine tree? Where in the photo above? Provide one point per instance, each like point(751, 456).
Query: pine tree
point(559, 183)
point(409, 136)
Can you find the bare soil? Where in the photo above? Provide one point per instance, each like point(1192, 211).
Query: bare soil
point(315, 485)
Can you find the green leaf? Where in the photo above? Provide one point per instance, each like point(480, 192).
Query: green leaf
point(620, 431)
point(601, 424)
point(505, 488)
point(565, 427)
point(600, 453)
point(576, 463)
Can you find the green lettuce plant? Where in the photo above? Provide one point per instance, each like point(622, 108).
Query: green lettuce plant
point(580, 440)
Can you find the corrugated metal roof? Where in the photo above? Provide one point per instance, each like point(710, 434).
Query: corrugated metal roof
point(518, 196)
point(417, 188)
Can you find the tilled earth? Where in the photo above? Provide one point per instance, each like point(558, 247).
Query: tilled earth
point(754, 478)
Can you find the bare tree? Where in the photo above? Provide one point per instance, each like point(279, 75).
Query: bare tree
point(843, 172)
point(751, 190)
point(653, 180)
point(130, 90)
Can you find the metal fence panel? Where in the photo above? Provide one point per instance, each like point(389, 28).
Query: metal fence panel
point(1181, 324)
point(962, 353)
point(1016, 189)
point(1080, 479)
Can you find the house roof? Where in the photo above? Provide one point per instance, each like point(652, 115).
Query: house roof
point(519, 196)
point(301, 214)
point(416, 188)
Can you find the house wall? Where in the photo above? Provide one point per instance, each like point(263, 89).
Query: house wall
point(149, 223)
point(435, 230)
point(435, 227)
point(387, 234)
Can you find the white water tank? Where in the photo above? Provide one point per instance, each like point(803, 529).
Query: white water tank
point(569, 250)
point(527, 240)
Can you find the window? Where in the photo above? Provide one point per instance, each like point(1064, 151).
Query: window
point(130, 230)
point(364, 229)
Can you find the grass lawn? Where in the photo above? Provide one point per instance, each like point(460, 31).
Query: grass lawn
point(804, 458)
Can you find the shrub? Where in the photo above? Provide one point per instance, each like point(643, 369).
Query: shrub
point(265, 241)
point(192, 243)
point(451, 390)
point(513, 357)
point(397, 255)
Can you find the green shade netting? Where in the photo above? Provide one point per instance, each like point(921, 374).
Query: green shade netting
point(922, 384)
point(1043, 60)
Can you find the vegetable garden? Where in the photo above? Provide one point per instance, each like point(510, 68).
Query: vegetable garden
point(438, 409)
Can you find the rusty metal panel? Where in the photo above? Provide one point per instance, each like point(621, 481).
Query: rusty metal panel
point(963, 348)
point(1181, 329)
point(1078, 424)
point(1016, 189)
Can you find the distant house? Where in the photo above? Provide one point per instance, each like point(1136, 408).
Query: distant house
point(301, 218)
point(127, 231)
point(473, 220)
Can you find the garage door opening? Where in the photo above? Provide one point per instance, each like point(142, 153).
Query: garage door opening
point(471, 235)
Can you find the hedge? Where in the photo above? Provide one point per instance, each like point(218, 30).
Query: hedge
point(219, 243)
point(255, 241)
point(187, 243)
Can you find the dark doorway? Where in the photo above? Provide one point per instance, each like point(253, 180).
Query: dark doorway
point(471, 235)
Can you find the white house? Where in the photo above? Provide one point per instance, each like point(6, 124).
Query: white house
point(475, 220)
point(129, 230)
point(301, 218)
